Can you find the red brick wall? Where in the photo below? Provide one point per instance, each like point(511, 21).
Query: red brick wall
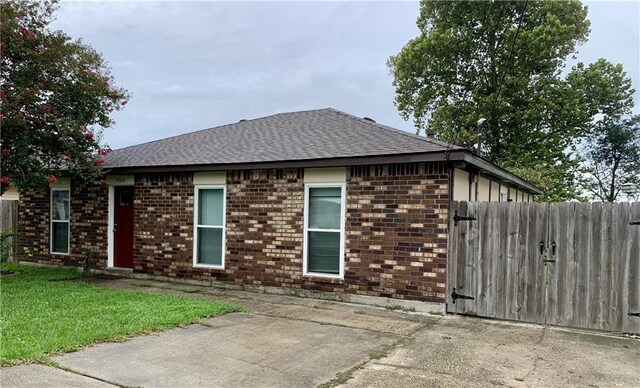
point(88, 227)
point(163, 224)
point(265, 215)
point(396, 230)
point(264, 227)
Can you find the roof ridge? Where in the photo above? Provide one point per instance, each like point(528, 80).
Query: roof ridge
point(396, 130)
point(219, 126)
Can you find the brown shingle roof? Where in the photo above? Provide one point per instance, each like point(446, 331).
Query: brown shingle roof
point(314, 134)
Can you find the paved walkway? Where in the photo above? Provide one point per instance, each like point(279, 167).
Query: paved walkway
point(306, 309)
point(243, 350)
point(295, 342)
point(471, 352)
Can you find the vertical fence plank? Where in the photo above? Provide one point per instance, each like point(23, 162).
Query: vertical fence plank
point(502, 265)
point(583, 239)
point(623, 239)
point(594, 259)
point(471, 252)
point(551, 306)
point(540, 266)
point(530, 270)
point(461, 247)
point(522, 261)
point(566, 263)
point(452, 257)
point(632, 323)
point(485, 263)
point(493, 304)
point(619, 274)
point(533, 289)
point(572, 280)
point(511, 251)
point(605, 267)
point(614, 292)
point(458, 276)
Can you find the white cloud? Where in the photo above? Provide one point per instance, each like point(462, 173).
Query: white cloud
point(194, 65)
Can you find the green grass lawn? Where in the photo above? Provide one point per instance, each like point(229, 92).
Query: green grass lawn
point(42, 313)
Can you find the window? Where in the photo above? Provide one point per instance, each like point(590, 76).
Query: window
point(209, 233)
point(503, 193)
point(324, 230)
point(59, 231)
point(126, 196)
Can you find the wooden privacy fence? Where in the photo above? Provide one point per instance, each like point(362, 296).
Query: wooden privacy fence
point(564, 264)
point(9, 224)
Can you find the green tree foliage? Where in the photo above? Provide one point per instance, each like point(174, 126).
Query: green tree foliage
point(613, 157)
point(605, 89)
point(503, 61)
point(56, 95)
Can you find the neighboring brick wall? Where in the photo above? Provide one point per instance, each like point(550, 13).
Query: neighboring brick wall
point(88, 227)
point(396, 230)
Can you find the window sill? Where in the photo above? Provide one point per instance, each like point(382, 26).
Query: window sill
point(60, 253)
point(323, 275)
point(205, 266)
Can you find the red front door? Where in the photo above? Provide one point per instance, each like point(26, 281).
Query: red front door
point(123, 227)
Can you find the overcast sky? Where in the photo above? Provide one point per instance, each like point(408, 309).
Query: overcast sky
point(194, 65)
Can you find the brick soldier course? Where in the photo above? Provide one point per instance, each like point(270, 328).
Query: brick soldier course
point(396, 222)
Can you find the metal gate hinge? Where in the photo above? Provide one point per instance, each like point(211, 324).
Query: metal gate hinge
point(455, 295)
point(634, 223)
point(634, 314)
point(457, 218)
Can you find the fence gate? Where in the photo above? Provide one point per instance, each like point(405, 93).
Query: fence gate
point(564, 264)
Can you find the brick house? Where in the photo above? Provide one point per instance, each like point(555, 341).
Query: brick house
point(318, 202)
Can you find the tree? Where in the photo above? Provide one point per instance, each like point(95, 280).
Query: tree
point(56, 95)
point(613, 157)
point(605, 89)
point(502, 61)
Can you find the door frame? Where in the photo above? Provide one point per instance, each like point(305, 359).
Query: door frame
point(112, 181)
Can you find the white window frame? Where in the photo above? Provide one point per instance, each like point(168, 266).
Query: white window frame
point(196, 196)
point(51, 221)
point(305, 250)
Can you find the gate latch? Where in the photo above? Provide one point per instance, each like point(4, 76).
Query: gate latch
point(457, 218)
point(455, 295)
point(553, 251)
point(630, 314)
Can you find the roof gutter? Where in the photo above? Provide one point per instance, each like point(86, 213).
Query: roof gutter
point(488, 167)
point(442, 156)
